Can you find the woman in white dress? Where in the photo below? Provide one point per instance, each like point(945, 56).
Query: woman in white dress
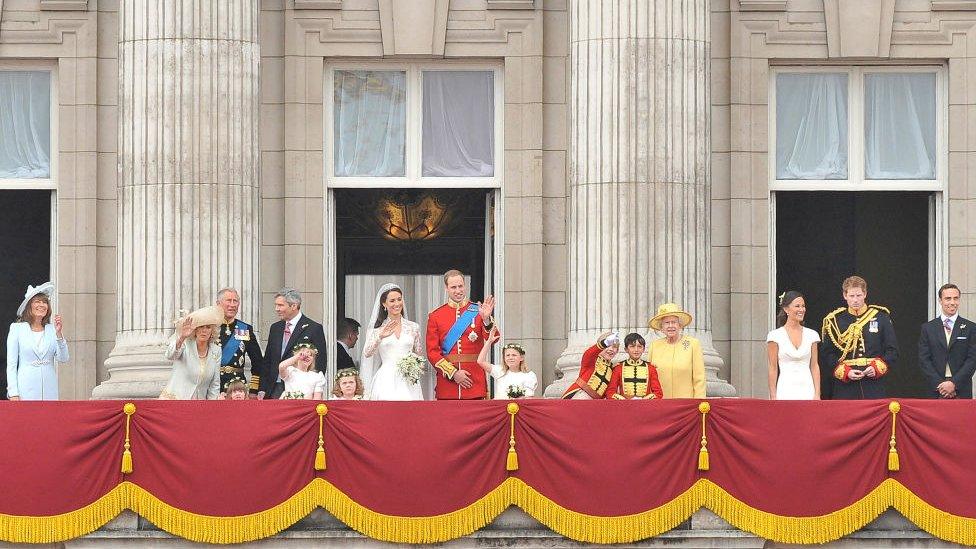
point(512, 373)
point(34, 347)
point(794, 373)
point(195, 352)
point(390, 338)
point(302, 380)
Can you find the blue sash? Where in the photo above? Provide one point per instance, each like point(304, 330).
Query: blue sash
point(229, 349)
point(460, 325)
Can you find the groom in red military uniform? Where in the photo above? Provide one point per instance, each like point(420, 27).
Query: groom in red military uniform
point(456, 332)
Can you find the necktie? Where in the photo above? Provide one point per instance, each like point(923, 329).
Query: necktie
point(948, 324)
point(285, 337)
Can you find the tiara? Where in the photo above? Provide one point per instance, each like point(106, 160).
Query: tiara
point(516, 346)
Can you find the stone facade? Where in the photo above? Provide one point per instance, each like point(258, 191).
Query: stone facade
point(541, 273)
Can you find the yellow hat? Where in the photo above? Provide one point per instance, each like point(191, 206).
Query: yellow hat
point(666, 310)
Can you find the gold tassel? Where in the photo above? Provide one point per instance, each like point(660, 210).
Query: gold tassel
point(128, 409)
point(704, 408)
point(893, 463)
point(321, 410)
point(511, 464)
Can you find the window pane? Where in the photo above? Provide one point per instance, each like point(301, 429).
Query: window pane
point(459, 124)
point(811, 126)
point(899, 126)
point(370, 123)
point(25, 124)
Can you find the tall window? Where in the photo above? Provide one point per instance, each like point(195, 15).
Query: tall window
point(858, 127)
point(25, 125)
point(413, 125)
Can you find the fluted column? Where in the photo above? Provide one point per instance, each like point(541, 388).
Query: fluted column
point(188, 174)
point(639, 172)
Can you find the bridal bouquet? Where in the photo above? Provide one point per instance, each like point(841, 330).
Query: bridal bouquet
point(412, 367)
point(516, 391)
point(293, 395)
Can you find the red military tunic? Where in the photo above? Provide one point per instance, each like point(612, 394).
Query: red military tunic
point(637, 379)
point(464, 354)
point(597, 374)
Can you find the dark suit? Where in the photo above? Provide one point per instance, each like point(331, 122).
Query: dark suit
point(306, 331)
point(343, 360)
point(959, 353)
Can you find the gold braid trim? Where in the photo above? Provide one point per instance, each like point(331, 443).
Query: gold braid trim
point(513, 491)
point(850, 339)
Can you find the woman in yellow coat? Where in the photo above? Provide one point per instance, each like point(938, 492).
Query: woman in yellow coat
point(679, 359)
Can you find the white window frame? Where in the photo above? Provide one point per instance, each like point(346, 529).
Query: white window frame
point(938, 205)
point(50, 182)
point(856, 180)
point(414, 126)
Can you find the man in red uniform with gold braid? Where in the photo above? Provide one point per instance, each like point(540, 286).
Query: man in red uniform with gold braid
point(597, 373)
point(456, 332)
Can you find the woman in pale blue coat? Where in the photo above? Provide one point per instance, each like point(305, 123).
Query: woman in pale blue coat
point(34, 346)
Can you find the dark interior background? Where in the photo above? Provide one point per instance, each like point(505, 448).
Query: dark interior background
point(824, 237)
point(25, 242)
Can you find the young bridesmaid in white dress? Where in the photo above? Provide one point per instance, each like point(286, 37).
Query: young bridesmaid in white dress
point(791, 349)
point(512, 373)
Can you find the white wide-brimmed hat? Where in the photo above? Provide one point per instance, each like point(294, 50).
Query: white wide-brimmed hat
point(205, 316)
point(47, 289)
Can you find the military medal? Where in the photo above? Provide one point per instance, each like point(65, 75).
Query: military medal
point(472, 337)
point(873, 327)
point(226, 329)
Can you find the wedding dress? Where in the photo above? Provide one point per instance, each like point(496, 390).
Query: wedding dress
point(387, 383)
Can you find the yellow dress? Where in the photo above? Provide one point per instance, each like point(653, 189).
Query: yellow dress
point(680, 367)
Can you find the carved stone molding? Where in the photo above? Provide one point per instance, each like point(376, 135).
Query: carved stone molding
point(762, 5)
point(318, 4)
point(418, 27)
point(862, 30)
point(953, 5)
point(511, 4)
point(64, 5)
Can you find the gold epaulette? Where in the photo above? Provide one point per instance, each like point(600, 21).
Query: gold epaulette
point(881, 308)
point(829, 316)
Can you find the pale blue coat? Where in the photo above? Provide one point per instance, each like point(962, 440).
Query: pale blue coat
point(32, 373)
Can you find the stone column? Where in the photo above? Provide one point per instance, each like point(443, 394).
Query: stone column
point(188, 216)
point(639, 172)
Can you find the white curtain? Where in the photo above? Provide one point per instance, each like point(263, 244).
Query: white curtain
point(811, 126)
point(370, 123)
point(421, 293)
point(899, 126)
point(25, 124)
point(458, 124)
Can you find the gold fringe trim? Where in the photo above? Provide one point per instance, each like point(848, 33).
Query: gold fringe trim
point(513, 491)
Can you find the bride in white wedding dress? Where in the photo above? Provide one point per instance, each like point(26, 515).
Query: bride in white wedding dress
point(390, 338)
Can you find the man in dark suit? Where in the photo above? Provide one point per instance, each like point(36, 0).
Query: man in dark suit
point(292, 329)
point(947, 349)
point(348, 335)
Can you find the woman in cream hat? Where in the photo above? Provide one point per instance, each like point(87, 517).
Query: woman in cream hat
point(34, 343)
point(196, 357)
point(679, 359)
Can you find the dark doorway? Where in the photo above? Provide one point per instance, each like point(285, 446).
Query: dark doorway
point(411, 232)
point(25, 238)
point(824, 237)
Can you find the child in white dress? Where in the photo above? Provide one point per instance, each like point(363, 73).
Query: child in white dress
point(512, 378)
point(348, 385)
point(298, 372)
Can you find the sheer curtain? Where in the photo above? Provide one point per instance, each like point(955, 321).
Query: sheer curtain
point(458, 123)
point(811, 126)
point(370, 123)
point(422, 294)
point(25, 124)
point(899, 126)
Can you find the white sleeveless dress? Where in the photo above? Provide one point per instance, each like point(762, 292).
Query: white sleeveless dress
point(387, 383)
point(795, 381)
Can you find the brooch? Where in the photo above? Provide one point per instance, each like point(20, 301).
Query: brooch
point(685, 344)
point(472, 337)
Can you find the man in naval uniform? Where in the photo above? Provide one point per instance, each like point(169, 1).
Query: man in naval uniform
point(237, 339)
point(858, 346)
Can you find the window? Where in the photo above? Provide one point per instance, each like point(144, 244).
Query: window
point(413, 125)
point(858, 128)
point(25, 124)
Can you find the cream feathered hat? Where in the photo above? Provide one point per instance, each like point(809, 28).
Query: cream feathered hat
point(47, 289)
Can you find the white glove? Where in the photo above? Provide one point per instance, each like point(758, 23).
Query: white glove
point(612, 339)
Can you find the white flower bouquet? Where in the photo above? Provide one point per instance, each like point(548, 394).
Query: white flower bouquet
point(516, 391)
point(412, 367)
point(293, 395)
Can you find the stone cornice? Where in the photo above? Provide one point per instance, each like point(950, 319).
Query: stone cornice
point(318, 4)
point(953, 5)
point(762, 5)
point(64, 5)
